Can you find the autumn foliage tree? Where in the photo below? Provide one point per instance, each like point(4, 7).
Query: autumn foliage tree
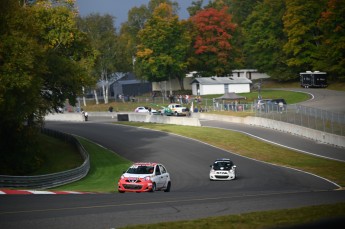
point(163, 47)
point(212, 42)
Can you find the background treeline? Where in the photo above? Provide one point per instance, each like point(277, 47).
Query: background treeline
point(49, 54)
point(278, 37)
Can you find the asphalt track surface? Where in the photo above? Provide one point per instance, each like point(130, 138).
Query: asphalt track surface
point(260, 186)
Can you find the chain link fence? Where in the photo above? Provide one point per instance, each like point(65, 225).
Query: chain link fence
point(309, 117)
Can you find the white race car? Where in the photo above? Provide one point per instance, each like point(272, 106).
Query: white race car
point(223, 169)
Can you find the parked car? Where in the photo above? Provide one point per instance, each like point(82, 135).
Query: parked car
point(166, 111)
point(177, 109)
point(145, 110)
point(261, 104)
point(276, 105)
point(277, 101)
point(223, 169)
point(145, 177)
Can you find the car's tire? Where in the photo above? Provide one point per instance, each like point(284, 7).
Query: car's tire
point(121, 191)
point(168, 187)
point(153, 187)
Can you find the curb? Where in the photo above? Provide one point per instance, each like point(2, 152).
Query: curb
point(29, 192)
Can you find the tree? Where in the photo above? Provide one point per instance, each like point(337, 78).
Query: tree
point(264, 40)
point(153, 4)
point(240, 10)
point(300, 25)
point(195, 7)
point(330, 55)
point(102, 34)
point(212, 44)
point(163, 47)
point(128, 38)
point(44, 60)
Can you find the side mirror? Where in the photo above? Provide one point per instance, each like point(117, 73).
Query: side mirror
point(234, 166)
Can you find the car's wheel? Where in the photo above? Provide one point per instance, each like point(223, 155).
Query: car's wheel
point(153, 187)
point(176, 114)
point(121, 191)
point(168, 187)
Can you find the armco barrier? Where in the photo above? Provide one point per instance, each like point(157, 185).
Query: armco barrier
point(54, 179)
point(312, 134)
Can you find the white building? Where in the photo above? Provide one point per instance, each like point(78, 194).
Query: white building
point(251, 74)
point(220, 85)
point(239, 83)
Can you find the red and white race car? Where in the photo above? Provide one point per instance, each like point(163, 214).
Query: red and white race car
point(145, 177)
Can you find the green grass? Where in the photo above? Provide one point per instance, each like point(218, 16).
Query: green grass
point(106, 168)
point(266, 219)
point(57, 156)
point(289, 96)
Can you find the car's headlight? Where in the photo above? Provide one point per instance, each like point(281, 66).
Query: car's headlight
point(147, 178)
point(122, 177)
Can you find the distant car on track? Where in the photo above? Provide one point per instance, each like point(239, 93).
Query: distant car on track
point(223, 169)
point(145, 177)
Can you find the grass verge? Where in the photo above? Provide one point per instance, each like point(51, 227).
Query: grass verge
point(57, 156)
point(106, 168)
point(306, 217)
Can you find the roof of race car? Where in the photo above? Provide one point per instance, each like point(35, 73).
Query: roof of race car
point(223, 159)
point(145, 164)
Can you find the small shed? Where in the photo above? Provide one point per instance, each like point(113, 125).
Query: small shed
point(220, 85)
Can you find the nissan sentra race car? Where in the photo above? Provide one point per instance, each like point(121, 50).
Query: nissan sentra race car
point(145, 177)
point(223, 169)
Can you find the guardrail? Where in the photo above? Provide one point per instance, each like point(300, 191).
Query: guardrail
point(53, 179)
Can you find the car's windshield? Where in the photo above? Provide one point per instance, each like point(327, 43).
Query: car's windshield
point(141, 169)
point(222, 164)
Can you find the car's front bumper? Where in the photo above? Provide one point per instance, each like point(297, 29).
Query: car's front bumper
point(124, 186)
point(222, 176)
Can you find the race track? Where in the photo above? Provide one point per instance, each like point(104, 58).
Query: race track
point(260, 186)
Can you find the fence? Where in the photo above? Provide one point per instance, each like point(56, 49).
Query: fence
point(309, 117)
point(313, 118)
point(54, 179)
